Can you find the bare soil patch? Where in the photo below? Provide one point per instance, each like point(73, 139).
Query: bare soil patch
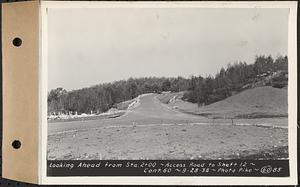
point(170, 142)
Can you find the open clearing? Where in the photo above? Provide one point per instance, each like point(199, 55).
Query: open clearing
point(153, 130)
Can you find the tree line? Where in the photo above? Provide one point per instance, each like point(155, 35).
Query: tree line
point(237, 77)
point(102, 97)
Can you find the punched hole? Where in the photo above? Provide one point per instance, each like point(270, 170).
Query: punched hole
point(17, 42)
point(16, 144)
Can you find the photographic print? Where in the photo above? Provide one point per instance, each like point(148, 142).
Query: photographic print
point(167, 84)
point(150, 92)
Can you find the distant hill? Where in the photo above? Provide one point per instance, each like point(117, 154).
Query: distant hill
point(238, 77)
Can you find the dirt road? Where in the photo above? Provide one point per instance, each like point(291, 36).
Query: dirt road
point(152, 130)
point(149, 111)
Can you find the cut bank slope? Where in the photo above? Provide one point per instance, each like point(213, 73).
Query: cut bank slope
point(259, 102)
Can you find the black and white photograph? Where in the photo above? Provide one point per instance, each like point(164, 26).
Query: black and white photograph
point(167, 83)
point(149, 93)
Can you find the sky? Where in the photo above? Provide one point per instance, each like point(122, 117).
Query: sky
point(92, 46)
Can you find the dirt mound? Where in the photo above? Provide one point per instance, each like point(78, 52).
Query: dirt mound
point(253, 103)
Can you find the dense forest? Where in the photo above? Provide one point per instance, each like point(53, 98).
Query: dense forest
point(202, 90)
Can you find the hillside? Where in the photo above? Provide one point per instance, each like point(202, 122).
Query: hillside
point(265, 71)
point(259, 102)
